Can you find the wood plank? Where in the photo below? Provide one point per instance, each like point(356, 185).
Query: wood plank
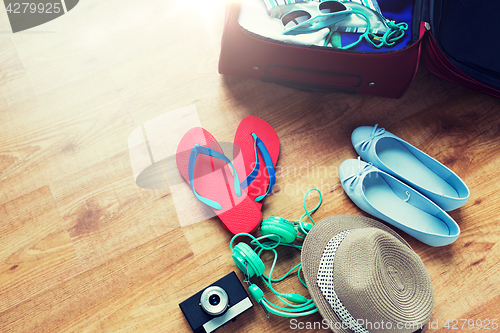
point(4, 22)
point(77, 51)
point(107, 214)
point(125, 292)
point(44, 140)
point(36, 251)
point(16, 87)
point(177, 70)
point(465, 273)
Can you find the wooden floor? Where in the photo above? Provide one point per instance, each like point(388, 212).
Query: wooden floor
point(84, 249)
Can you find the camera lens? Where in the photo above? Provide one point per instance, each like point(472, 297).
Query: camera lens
point(214, 301)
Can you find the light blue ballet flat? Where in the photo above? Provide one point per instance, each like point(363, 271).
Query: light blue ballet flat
point(383, 196)
point(397, 157)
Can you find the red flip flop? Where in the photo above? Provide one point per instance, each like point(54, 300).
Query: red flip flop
point(204, 166)
point(259, 145)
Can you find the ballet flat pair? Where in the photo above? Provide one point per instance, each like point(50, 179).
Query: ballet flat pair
point(403, 186)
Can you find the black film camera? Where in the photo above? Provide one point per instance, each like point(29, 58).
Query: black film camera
point(217, 304)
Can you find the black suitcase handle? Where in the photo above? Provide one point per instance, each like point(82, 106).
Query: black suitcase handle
point(300, 78)
point(309, 87)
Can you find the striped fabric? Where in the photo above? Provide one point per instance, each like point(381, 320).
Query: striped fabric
point(372, 4)
point(273, 3)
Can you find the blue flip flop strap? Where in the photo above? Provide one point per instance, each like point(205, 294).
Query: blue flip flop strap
point(197, 149)
point(251, 176)
point(258, 144)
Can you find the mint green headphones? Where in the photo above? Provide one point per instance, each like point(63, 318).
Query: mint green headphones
point(275, 231)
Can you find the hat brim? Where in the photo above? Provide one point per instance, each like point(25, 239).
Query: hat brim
point(313, 247)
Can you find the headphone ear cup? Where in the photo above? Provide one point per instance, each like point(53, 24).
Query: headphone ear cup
point(246, 258)
point(285, 230)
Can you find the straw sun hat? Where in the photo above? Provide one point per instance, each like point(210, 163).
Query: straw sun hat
point(364, 277)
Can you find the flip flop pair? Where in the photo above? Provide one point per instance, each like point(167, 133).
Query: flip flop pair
point(234, 189)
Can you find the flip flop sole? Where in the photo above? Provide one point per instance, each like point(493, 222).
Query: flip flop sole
point(213, 179)
point(244, 145)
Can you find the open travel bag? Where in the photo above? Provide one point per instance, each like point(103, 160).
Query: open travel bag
point(456, 40)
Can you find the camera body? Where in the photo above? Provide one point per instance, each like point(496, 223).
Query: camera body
point(217, 304)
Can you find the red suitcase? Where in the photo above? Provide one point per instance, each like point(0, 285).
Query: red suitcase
point(462, 48)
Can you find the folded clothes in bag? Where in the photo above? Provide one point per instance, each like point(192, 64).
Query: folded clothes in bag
point(353, 23)
point(254, 18)
point(262, 18)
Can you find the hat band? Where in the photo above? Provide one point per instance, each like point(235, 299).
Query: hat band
point(325, 283)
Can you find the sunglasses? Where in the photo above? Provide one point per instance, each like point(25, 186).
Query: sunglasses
point(323, 15)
